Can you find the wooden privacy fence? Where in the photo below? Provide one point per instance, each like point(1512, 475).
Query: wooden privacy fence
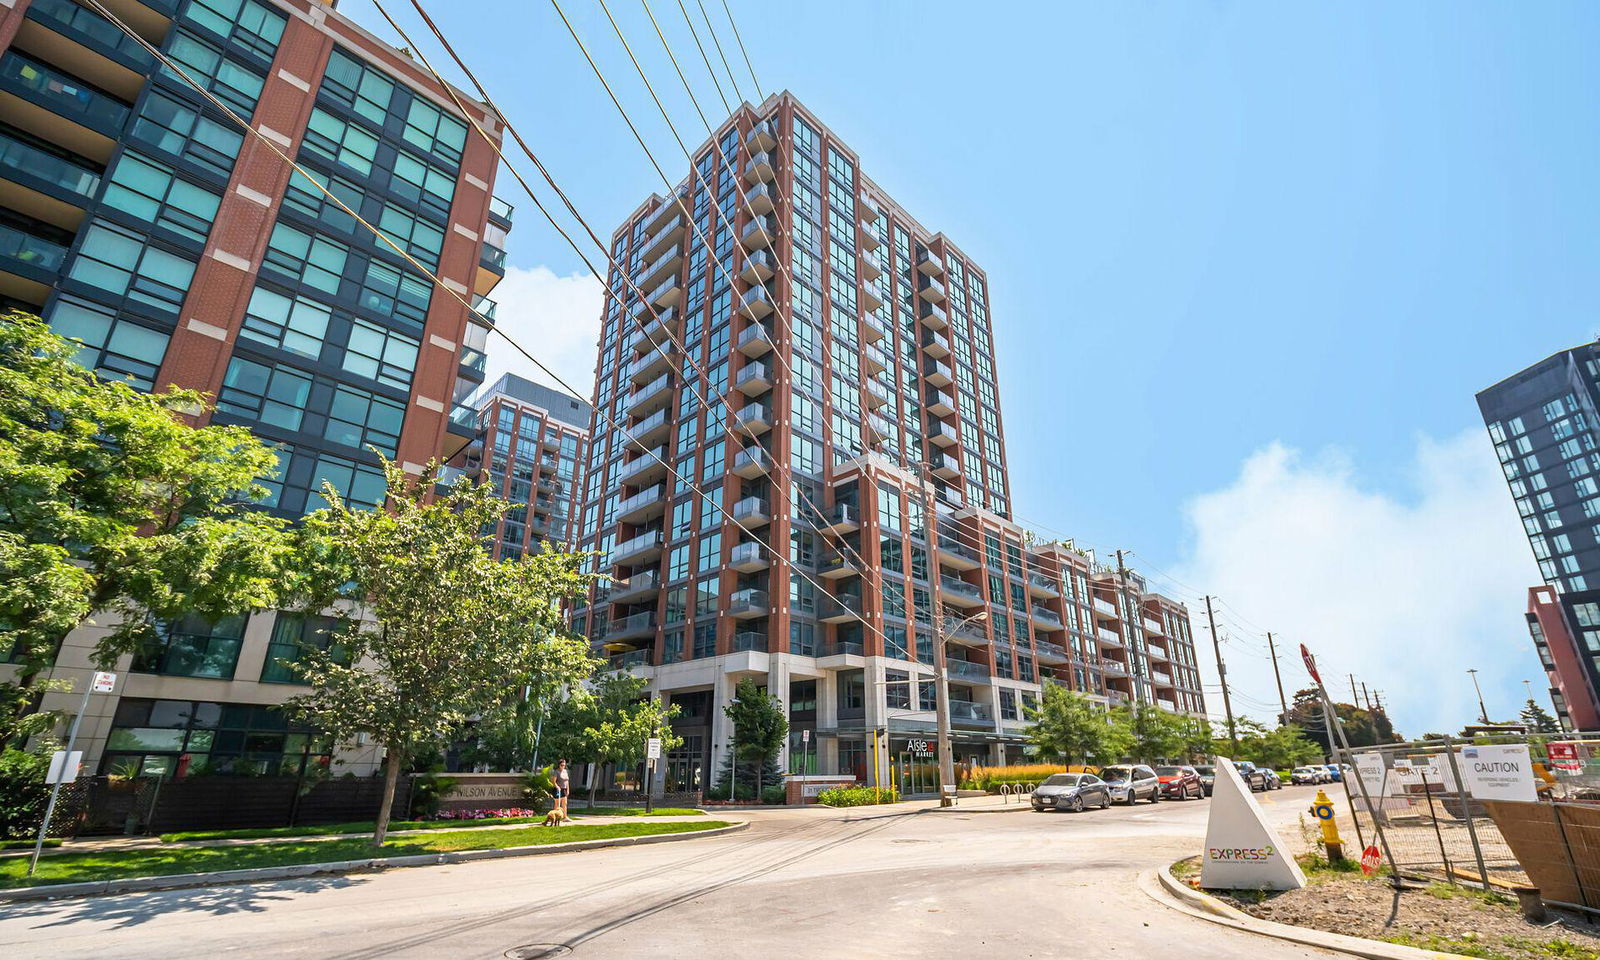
point(1558, 846)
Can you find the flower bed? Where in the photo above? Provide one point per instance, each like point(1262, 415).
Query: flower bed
point(857, 796)
point(989, 779)
point(505, 813)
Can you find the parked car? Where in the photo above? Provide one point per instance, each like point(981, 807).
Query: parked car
point(1335, 775)
point(1252, 775)
point(1130, 782)
point(1180, 783)
point(1274, 782)
point(1208, 777)
point(1304, 775)
point(1071, 791)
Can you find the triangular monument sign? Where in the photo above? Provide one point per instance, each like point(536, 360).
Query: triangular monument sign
point(1243, 852)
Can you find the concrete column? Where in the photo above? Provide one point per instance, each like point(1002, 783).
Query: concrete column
point(721, 727)
point(778, 686)
point(877, 714)
point(828, 719)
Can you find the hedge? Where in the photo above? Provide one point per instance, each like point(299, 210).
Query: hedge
point(857, 796)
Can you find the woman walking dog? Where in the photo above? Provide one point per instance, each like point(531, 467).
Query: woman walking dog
point(563, 786)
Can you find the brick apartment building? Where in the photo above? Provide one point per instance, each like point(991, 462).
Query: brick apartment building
point(139, 218)
point(1545, 425)
point(821, 366)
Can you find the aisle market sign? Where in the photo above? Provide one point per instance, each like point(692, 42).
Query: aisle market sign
point(1499, 772)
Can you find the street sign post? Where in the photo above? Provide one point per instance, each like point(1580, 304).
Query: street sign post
point(102, 682)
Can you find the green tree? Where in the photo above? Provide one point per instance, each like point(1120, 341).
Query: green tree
point(609, 722)
point(1285, 747)
point(1069, 725)
point(1154, 734)
point(432, 632)
point(1537, 719)
point(114, 505)
point(760, 728)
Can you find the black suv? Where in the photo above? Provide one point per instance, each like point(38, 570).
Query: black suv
point(1253, 776)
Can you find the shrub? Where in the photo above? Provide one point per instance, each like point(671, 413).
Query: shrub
point(427, 793)
point(857, 796)
point(990, 778)
point(23, 793)
point(774, 794)
point(746, 792)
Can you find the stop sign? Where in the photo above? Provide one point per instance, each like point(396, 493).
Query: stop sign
point(1370, 858)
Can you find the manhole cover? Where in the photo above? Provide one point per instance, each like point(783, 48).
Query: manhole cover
point(538, 951)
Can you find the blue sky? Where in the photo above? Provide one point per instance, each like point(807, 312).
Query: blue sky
point(1217, 234)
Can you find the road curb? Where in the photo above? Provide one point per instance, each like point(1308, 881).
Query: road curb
point(1203, 906)
point(371, 865)
point(960, 809)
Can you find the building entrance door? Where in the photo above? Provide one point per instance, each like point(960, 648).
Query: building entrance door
point(917, 769)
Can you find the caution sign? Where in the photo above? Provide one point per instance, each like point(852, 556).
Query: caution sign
point(1370, 859)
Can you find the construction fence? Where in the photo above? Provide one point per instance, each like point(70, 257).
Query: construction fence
point(1510, 811)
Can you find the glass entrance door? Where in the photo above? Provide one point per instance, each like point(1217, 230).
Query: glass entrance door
point(917, 770)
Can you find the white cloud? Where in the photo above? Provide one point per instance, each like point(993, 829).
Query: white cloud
point(556, 318)
point(1404, 589)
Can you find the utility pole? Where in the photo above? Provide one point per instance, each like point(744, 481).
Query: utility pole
point(1366, 696)
point(1483, 711)
point(1283, 718)
point(1136, 672)
point(1354, 700)
point(1222, 674)
point(941, 687)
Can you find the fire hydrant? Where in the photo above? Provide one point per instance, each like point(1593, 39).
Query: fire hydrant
point(1322, 809)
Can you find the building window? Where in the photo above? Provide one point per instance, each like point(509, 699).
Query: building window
point(152, 193)
point(245, 22)
point(275, 396)
point(297, 325)
point(176, 738)
point(194, 647)
point(420, 182)
point(180, 130)
point(235, 84)
point(364, 89)
point(292, 635)
point(1008, 704)
point(360, 419)
point(111, 346)
point(122, 263)
point(341, 142)
point(314, 261)
point(413, 234)
point(433, 130)
point(382, 355)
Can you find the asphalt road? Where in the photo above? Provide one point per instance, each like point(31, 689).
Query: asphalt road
point(799, 883)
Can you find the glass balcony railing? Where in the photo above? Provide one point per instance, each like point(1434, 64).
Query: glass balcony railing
point(966, 670)
point(967, 711)
point(751, 641)
point(92, 30)
point(493, 257)
point(499, 208)
point(30, 250)
point(749, 600)
point(62, 93)
point(20, 157)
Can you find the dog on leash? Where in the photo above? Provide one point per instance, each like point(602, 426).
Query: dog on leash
point(555, 818)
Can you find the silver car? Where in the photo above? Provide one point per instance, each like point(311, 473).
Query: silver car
point(1130, 782)
point(1071, 791)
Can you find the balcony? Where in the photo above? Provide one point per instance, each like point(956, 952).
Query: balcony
point(1048, 652)
point(501, 211)
point(761, 137)
point(660, 269)
point(960, 593)
point(24, 163)
point(649, 466)
point(755, 340)
point(753, 418)
point(1161, 678)
point(748, 557)
point(933, 316)
point(653, 364)
point(752, 512)
point(870, 240)
point(944, 465)
point(755, 303)
point(635, 588)
point(750, 641)
point(758, 168)
point(841, 609)
point(874, 360)
point(957, 555)
point(752, 462)
point(1105, 610)
point(942, 433)
point(839, 518)
point(650, 431)
point(62, 94)
point(759, 266)
point(754, 377)
point(94, 33)
point(878, 429)
point(629, 660)
point(645, 546)
point(643, 505)
point(651, 397)
point(759, 233)
point(834, 566)
point(1157, 655)
point(492, 258)
point(748, 603)
point(668, 294)
point(31, 256)
point(966, 670)
point(968, 635)
point(931, 290)
point(929, 264)
point(867, 209)
point(1110, 638)
point(871, 296)
point(758, 200)
point(870, 268)
point(877, 395)
point(937, 373)
point(872, 329)
point(636, 627)
point(1041, 585)
point(1113, 668)
point(1154, 628)
point(1045, 619)
point(935, 344)
point(965, 713)
point(939, 403)
point(668, 235)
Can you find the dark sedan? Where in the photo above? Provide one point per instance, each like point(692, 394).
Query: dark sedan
point(1208, 777)
point(1071, 791)
point(1180, 783)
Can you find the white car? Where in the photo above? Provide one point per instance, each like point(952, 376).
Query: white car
point(1302, 775)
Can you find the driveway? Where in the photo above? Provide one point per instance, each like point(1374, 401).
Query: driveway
point(871, 882)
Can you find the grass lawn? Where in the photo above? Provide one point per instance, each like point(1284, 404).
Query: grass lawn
point(80, 867)
point(325, 829)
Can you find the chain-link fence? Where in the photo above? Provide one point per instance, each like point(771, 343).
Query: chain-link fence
point(1490, 810)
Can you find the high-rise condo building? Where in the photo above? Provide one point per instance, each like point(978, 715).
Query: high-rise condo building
point(535, 442)
point(1545, 424)
point(139, 218)
point(798, 474)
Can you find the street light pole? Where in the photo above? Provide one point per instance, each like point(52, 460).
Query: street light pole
point(941, 676)
point(1483, 711)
